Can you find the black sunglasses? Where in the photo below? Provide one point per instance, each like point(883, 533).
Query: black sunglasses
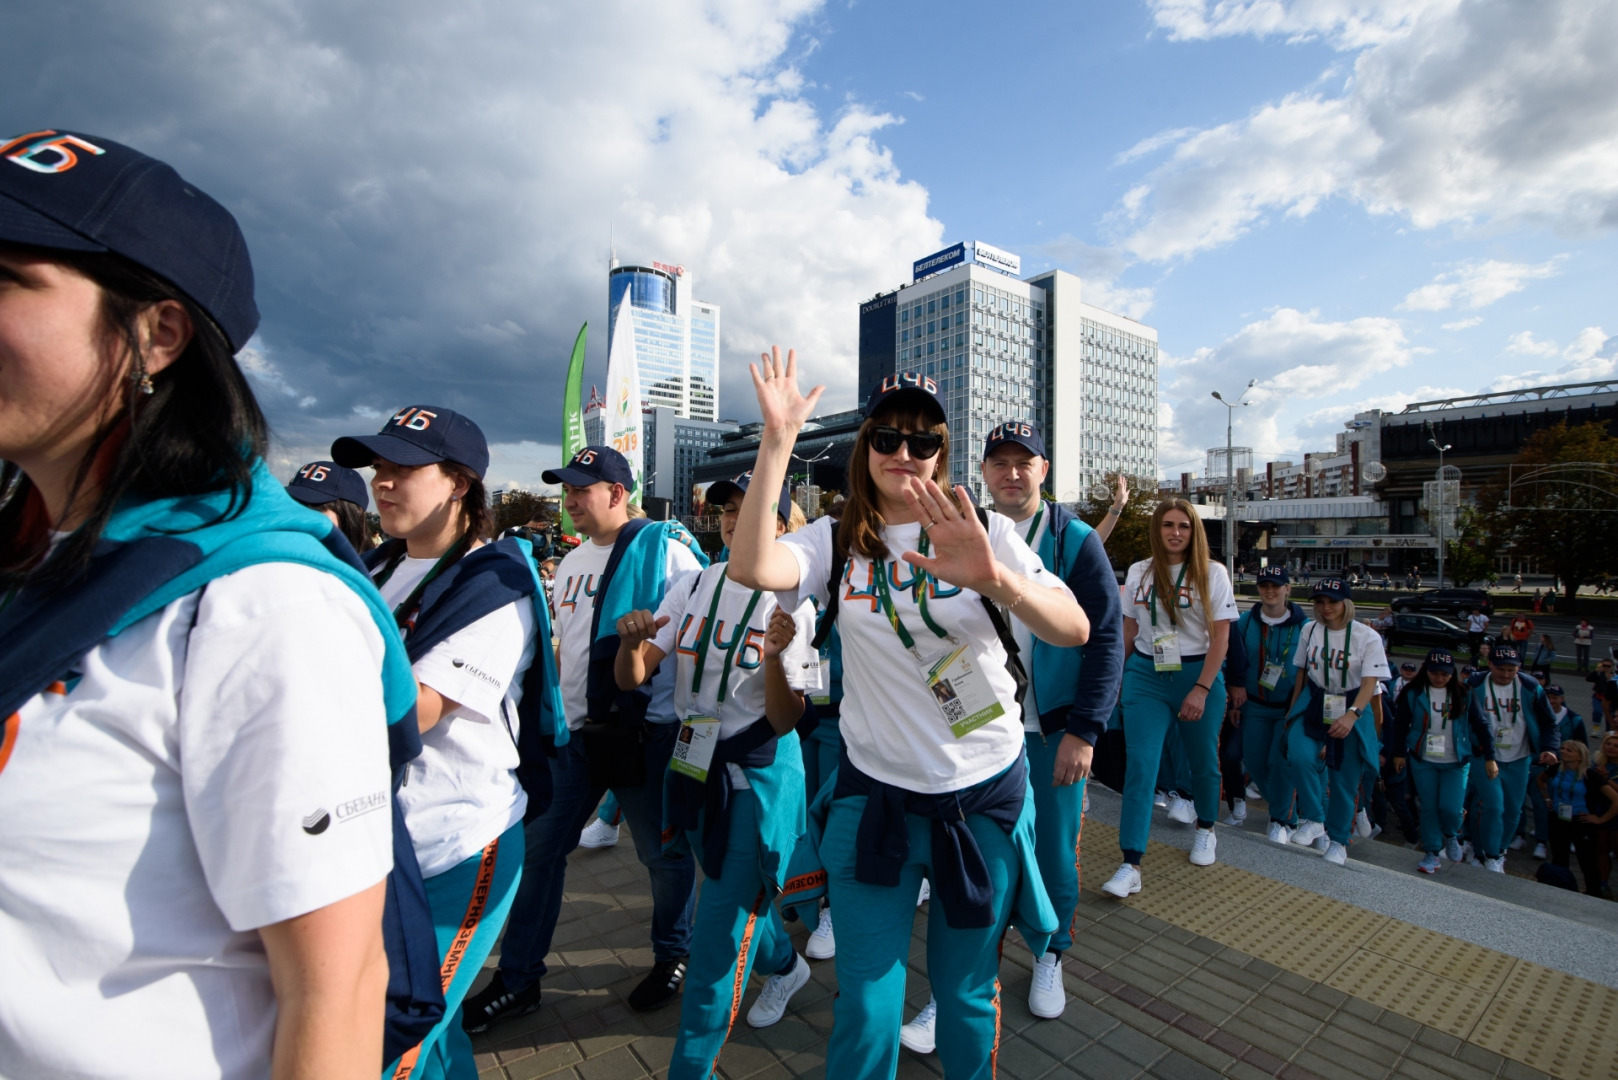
point(923, 444)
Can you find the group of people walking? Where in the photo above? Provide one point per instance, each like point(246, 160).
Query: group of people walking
point(300, 784)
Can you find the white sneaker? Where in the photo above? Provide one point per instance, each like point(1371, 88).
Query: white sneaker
point(1322, 842)
point(1539, 851)
point(1307, 833)
point(1085, 809)
point(926, 892)
point(1279, 833)
point(1253, 792)
point(1362, 824)
point(1238, 812)
point(1452, 849)
point(1519, 843)
point(778, 990)
point(1202, 848)
point(1336, 853)
point(1159, 799)
point(598, 834)
point(822, 943)
point(1125, 882)
point(1182, 810)
point(1376, 831)
point(917, 1036)
point(1047, 997)
point(1496, 865)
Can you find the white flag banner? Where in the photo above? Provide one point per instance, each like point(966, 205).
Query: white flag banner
point(622, 429)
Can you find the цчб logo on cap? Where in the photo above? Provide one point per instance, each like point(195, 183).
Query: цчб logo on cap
point(46, 151)
point(414, 418)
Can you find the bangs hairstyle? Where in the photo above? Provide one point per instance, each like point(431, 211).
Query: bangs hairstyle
point(859, 532)
point(199, 430)
point(1196, 561)
point(1581, 751)
point(1348, 612)
point(1455, 707)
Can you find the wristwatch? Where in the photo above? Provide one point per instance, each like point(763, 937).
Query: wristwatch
point(1356, 710)
point(1113, 511)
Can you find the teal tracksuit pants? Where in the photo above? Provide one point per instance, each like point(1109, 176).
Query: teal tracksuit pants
point(1151, 702)
point(820, 753)
point(1500, 804)
point(1486, 804)
point(874, 927)
point(1058, 819)
point(1264, 755)
point(736, 930)
point(1342, 797)
point(469, 903)
point(1441, 788)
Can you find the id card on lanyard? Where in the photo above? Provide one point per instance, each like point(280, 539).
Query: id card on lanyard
point(1438, 741)
point(1505, 728)
point(1335, 706)
point(959, 687)
point(699, 735)
point(1165, 642)
point(1274, 668)
point(824, 696)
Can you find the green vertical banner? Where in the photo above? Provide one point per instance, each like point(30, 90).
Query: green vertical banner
point(573, 413)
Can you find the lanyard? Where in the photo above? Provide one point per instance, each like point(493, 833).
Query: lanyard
point(1287, 641)
point(408, 605)
point(737, 633)
point(1151, 597)
point(1325, 670)
point(1494, 701)
point(917, 592)
point(1033, 529)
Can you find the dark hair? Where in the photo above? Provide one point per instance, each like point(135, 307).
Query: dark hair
point(1456, 705)
point(475, 510)
point(859, 530)
point(351, 523)
point(199, 431)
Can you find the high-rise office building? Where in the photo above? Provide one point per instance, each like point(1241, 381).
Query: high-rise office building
point(676, 336)
point(1007, 348)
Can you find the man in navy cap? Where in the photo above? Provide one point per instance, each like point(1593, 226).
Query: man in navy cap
point(1071, 692)
point(1513, 708)
point(627, 564)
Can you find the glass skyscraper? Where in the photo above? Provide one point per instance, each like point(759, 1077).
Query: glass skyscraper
point(676, 337)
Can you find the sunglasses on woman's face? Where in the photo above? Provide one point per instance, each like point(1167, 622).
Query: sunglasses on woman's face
point(923, 444)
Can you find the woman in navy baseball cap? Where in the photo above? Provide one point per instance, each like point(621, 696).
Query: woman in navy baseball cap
point(339, 494)
point(195, 676)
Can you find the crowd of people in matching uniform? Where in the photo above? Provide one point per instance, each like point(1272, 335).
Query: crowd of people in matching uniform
point(274, 793)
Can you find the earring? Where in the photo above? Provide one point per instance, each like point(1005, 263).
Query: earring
point(143, 381)
point(146, 386)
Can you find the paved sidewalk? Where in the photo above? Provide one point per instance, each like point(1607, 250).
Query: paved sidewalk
point(1149, 999)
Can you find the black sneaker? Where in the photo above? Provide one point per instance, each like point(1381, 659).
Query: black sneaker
point(659, 987)
point(495, 1003)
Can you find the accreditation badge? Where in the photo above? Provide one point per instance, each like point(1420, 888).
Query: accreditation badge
point(1505, 737)
point(694, 747)
point(961, 690)
point(1271, 678)
point(1166, 649)
point(1564, 811)
point(823, 695)
point(1437, 744)
point(1335, 706)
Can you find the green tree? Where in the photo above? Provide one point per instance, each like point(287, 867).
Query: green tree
point(519, 507)
point(1562, 504)
point(1130, 541)
point(1469, 557)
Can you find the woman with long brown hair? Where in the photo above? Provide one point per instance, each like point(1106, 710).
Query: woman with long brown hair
point(1178, 607)
point(932, 780)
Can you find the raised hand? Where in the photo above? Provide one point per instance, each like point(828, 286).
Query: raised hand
point(782, 629)
point(1120, 498)
point(962, 555)
point(639, 626)
point(775, 380)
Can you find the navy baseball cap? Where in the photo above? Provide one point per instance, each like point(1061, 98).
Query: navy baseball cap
point(1014, 431)
point(1555, 688)
point(593, 465)
point(1439, 660)
point(1504, 656)
point(1333, 588)
point(905, 386)
point(69, 191)
point(321, 482)
point(1409, 665)
point(1273, 575)
point(719, 494)
point(418, 435)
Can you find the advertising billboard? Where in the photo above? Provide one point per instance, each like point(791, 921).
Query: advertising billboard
point(938, 260)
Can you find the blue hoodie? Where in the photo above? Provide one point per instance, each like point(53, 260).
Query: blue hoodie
point(1265, 644)
point(1406, 736)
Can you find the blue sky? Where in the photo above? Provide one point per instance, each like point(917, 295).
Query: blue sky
point(1356, 203)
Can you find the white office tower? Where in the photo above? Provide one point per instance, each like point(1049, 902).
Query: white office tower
point(1005, 348)
point(676, 336)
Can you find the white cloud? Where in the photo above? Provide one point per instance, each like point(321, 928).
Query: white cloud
point(1524, 344)
point(1456, 113)
point(1477, 284)
point(1098, 269)
point(1591, 356)
point(428, 195)
point(1464, 324)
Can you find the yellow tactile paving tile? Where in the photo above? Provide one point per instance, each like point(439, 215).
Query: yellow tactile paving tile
point(1531, 1014)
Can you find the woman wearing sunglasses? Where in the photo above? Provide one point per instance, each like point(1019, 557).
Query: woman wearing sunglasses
point(932, 779)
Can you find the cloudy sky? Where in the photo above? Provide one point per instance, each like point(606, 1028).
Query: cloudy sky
point(1356, 203)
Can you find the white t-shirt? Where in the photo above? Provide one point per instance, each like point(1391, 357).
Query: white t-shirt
point(1192, 627)
point(462, 791)
point(220, 766)
point(1503, 712)
point(1439, 724)
point(1476, 624)
point(1320, 653)
point(891, 723)
point(1025, 639)
point(573, 608)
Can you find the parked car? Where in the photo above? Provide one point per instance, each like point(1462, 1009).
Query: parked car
point(1413, 631)
point(1452, 602)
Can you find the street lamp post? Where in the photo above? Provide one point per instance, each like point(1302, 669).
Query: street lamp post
point(1230, 475)
point(1443, 501)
